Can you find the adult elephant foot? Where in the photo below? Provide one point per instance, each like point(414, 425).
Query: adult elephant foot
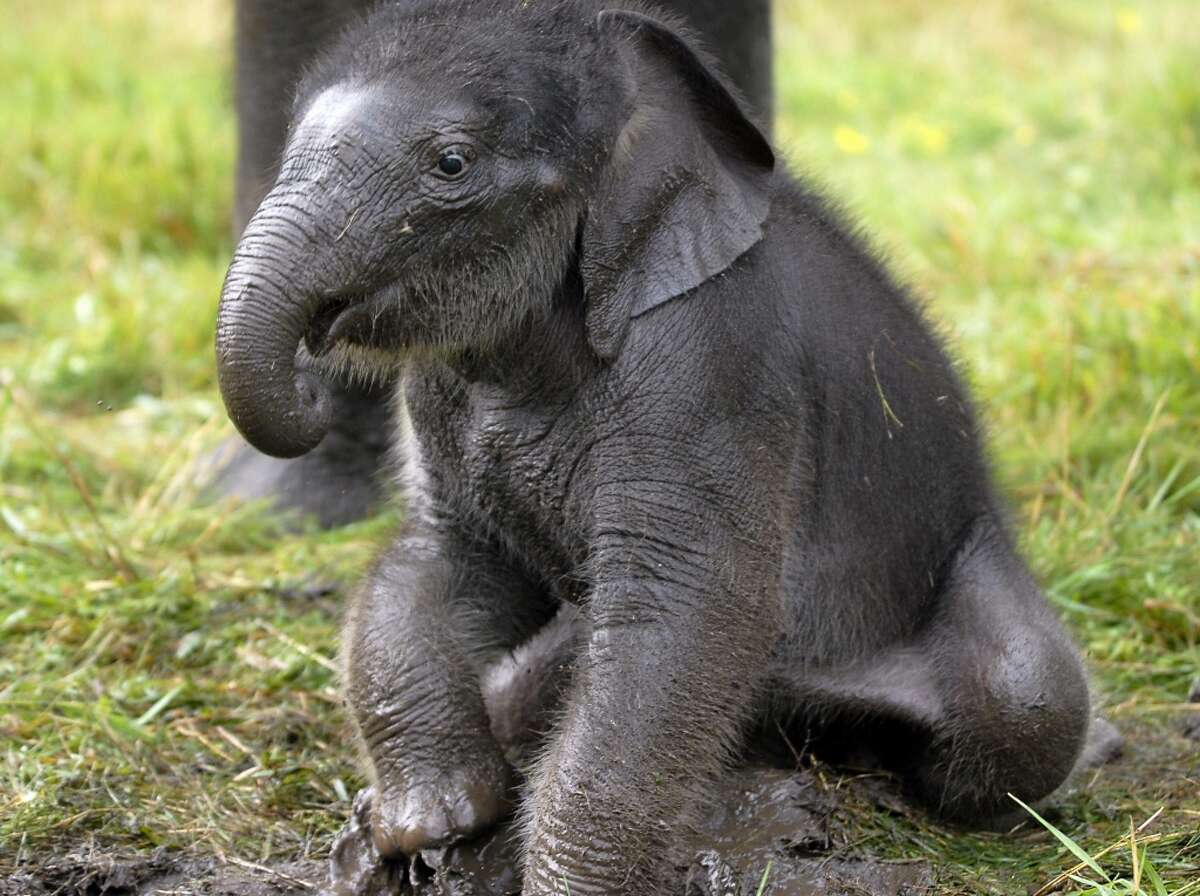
point(342, 480)
point(1104, 744)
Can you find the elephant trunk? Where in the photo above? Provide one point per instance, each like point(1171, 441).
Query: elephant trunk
point(267, 306)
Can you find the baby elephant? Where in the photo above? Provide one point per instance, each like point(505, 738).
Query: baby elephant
point(650, 375)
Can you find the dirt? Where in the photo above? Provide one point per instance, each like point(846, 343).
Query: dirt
point(792, 825)
point(160, 873)
point(763, 817)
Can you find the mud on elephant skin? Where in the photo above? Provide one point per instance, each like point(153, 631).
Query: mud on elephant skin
point(344, 478)
point(650, 375)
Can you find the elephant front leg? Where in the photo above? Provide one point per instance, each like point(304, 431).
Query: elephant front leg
point(415, 696)
point(662, 691)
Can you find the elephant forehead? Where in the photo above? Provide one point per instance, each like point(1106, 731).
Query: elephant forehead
point(334, 110)
point(337, 124)
point(399, 113)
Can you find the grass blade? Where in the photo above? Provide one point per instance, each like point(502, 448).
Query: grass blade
point(1076, 850)
point(1151, 874)
point(762, 884)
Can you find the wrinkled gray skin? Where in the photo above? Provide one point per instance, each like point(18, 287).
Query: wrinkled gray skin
point(649, 375)
point(340, 481)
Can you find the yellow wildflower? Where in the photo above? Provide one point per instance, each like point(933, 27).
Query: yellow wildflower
point(1129, 21)
point(850, 141)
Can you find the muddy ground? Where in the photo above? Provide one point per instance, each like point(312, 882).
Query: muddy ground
point(764, 816)
point(799, 824)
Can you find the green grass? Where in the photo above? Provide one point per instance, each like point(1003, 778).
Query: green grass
point(1033, 168)
point(1088, 868)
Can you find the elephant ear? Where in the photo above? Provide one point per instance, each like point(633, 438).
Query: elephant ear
point(686, 191)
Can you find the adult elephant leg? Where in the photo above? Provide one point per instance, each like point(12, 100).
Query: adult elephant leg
point(273, 41)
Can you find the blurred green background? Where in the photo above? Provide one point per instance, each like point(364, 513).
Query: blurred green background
point(166, 668)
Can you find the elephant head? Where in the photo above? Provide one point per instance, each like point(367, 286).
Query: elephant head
point(453, 170)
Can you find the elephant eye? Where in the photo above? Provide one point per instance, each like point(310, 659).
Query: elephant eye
point(452, 164)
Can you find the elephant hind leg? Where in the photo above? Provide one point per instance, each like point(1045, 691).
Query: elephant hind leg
point(988, 699)
point(523, 691)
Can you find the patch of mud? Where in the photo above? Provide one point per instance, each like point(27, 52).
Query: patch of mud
point(779, 824)
point(160, 873)
point(762, 818)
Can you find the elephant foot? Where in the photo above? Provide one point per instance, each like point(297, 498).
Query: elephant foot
point(488, 865)
point(1104, 744)
point(443, 808)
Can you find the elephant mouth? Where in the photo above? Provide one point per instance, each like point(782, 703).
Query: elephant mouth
point(351, 318)
point(326, 324)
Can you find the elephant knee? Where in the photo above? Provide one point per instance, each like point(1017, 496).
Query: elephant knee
point(1016, 726)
